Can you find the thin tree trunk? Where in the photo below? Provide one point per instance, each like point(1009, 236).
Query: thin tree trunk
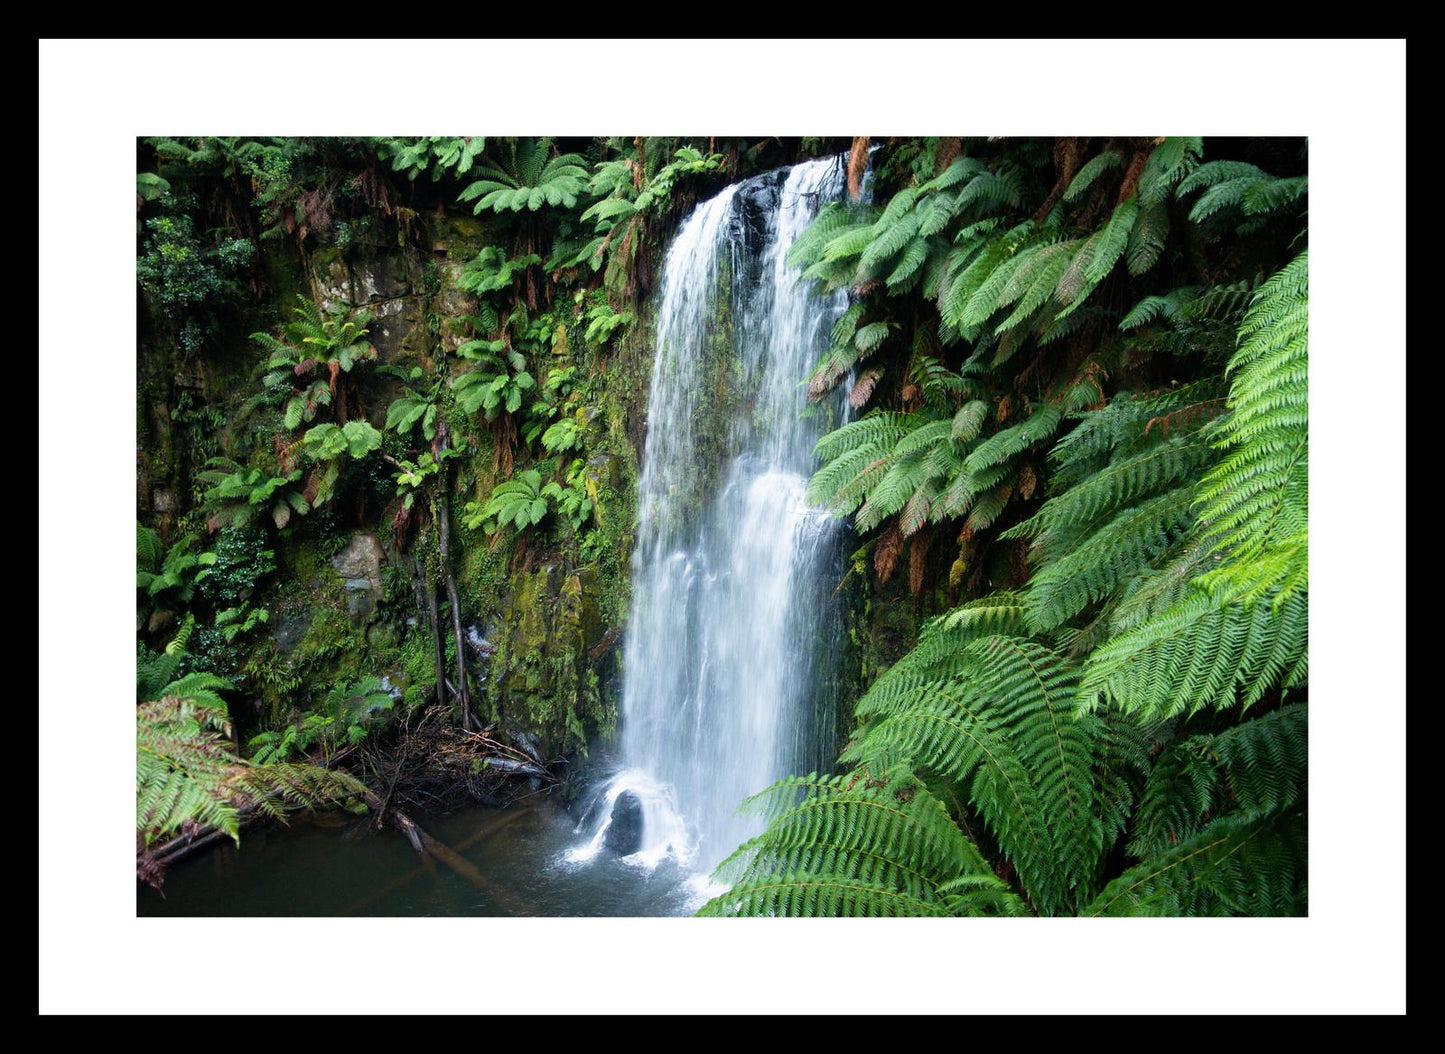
point(443, 520)
point(434, 617)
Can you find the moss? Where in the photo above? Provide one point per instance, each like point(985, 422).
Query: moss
point(418, 662)
point(284, 274)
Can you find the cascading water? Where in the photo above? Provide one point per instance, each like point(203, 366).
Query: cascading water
point(730, 646)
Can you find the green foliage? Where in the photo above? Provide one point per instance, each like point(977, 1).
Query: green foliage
point(628, 196)
point(238, 496)
point(602, 321)
point(1127, 732)
point(306, 360)
point(1238, 185)
point(434, 154)
point(1259, 768)
point(413, 476)
point(182, 764)
point(498, 383)
point(854, 846)
point(523, 174)
point(414, 409)
point(492, 271)
point(521, 501)
point(187, 775)
point(999, 724)
point(562, 436)
point(170, 580)
point(572, 501)
point(180, 272)
point(1204, 651)
point(1256, 500)
point(348, 713)
point(355, 439)
point(1238, 865)
point(932, 465)
point(243, 561)
point(232, 622)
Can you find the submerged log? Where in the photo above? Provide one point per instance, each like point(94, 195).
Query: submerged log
point(509, 817)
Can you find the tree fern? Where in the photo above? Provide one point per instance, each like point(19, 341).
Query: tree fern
point(1000, 724)
point(1238, 865)
point(188, 777)
point(526, 176)
point(1256, 500)
point(1201, 653)
point(856, 846)
point(1257, 767)
point(1090, 171)
point(1102, 560)
point(1238, 184)
point(1166, 569)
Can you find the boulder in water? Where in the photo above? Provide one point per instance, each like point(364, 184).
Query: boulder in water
point(624, 833)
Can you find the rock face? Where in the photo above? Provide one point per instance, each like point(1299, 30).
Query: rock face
point(539, 666)
point(542, 649)
point(290, 630)
point(624, 833)
point(360, 564)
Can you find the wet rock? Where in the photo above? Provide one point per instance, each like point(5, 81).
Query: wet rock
point(375, 281)
point(624, 833)
point(527, 744)
point(604, 469)
point(360, 559)
point(360, 607)
point(512, 765)
point(360, 564)
point(477, 638)
point(290, 629)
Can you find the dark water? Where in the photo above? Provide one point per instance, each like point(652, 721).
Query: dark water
point(512, 863)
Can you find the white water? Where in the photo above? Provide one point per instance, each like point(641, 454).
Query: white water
point(728, 655)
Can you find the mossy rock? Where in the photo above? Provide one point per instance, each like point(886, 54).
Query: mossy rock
point(541, 680)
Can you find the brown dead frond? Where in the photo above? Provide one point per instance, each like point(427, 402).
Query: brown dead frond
point(863, 387)
point(886, 555)
point(1027, 481)
point(1185, 415)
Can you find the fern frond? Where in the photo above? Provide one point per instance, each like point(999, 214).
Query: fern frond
point(1204, 652)
point(1113, 239)
point(1000, 725)
point(1257, 497)
point(1245, 865)
point(856, 846)
point(1119, 485)
point(1260, 766)
point(1092, 568)
point(1092, 170)
point(1170, 162)
point(1012, 441)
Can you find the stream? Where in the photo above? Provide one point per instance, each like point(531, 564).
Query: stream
point(335, 865)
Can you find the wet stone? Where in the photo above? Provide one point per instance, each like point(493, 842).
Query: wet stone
point(624, 833)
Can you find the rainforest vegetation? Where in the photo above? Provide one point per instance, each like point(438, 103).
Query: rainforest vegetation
point(390, 413)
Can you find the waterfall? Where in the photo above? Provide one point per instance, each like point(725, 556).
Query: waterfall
point(730, 647)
